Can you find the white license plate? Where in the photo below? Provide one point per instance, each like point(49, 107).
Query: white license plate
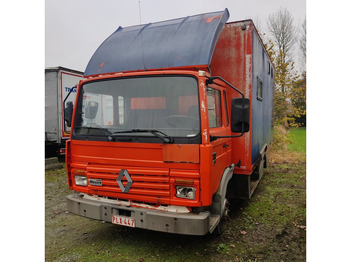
point(124, 221)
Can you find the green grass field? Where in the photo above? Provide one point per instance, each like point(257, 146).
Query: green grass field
point(297, 138)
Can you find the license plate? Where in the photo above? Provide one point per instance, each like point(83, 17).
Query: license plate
point(124, 221)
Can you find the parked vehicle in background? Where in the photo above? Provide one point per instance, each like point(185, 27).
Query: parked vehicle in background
point(171, 120)
point(58, 83)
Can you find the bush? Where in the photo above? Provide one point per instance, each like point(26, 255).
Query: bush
point(280, 137)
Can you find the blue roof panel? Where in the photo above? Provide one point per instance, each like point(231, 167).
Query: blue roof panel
point(179, 42)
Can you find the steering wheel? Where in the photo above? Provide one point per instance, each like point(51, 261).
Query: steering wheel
point(181, 121)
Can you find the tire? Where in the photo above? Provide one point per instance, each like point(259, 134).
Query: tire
point(259, 170)
point(220, 227)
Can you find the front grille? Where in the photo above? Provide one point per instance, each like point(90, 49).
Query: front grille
point(151, 184)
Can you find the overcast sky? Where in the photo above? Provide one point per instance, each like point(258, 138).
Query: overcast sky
point(75, 29)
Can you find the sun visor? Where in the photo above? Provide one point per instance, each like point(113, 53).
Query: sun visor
point(179, 42)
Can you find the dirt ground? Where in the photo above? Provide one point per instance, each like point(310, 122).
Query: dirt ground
point(271, 226)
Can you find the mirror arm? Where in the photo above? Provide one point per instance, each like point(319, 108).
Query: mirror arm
point(213, 138)
point(64, 104)
point(64, 101)
point(212, 78)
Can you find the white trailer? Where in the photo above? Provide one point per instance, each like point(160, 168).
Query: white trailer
point(58, 83)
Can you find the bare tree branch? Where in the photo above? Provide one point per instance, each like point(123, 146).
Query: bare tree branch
point(284, 33)
point(302, 41)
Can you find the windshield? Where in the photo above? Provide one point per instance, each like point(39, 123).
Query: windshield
point(142, 106)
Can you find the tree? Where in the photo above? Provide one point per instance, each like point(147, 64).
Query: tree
point(289, 93)
point(302, 43)
point(303, 39)
point(299, 100)
point(285, 80)
point(289, 101)
point(283, 32)
point(300, 86)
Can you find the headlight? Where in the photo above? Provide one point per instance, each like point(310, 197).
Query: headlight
point(80, 180)
point(186, 192)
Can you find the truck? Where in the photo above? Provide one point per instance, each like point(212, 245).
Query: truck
point(58, 83)
point(172, 120)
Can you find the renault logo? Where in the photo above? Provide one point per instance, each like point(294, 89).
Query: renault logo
point(125, 173)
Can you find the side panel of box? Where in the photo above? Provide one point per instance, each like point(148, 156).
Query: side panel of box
point(262, 98)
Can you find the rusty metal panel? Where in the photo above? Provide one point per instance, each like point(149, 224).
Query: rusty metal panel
point(232, 60)
point(240, 58)
point(229, 58)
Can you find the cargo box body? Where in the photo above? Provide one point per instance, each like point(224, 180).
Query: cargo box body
point(58, 81)
point(241, 59)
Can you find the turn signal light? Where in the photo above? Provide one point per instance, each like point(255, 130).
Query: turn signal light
point(78, 171)
point(179, 181)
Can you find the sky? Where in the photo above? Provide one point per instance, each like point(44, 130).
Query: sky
point(75, 29)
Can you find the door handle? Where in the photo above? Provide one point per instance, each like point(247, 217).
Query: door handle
point(225, 145)
point(214, 158)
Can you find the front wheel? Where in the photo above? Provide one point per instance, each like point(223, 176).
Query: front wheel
point(220, 227)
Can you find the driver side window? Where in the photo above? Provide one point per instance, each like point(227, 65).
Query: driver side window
point(214, 107)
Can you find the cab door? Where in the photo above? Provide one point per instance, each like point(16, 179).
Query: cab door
point(218, 126)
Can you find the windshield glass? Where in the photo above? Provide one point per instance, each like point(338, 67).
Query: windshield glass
point(167, 104)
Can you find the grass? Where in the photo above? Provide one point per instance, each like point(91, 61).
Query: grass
point(268, 227)
point(297, 138)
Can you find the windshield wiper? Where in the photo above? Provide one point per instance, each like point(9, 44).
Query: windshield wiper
point(166, 139)
point(105, 131)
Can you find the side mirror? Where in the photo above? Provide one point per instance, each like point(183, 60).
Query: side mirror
point(240, 115)
point(91, 110)
point(68, 113)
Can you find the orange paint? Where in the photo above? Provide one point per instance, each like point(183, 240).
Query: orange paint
point(181, 153)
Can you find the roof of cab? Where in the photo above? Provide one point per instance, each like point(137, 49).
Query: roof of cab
point(188, 41)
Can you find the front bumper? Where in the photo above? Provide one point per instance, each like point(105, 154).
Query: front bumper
point(171, 222)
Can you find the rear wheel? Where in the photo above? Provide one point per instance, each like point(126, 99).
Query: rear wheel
point(259, 170)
